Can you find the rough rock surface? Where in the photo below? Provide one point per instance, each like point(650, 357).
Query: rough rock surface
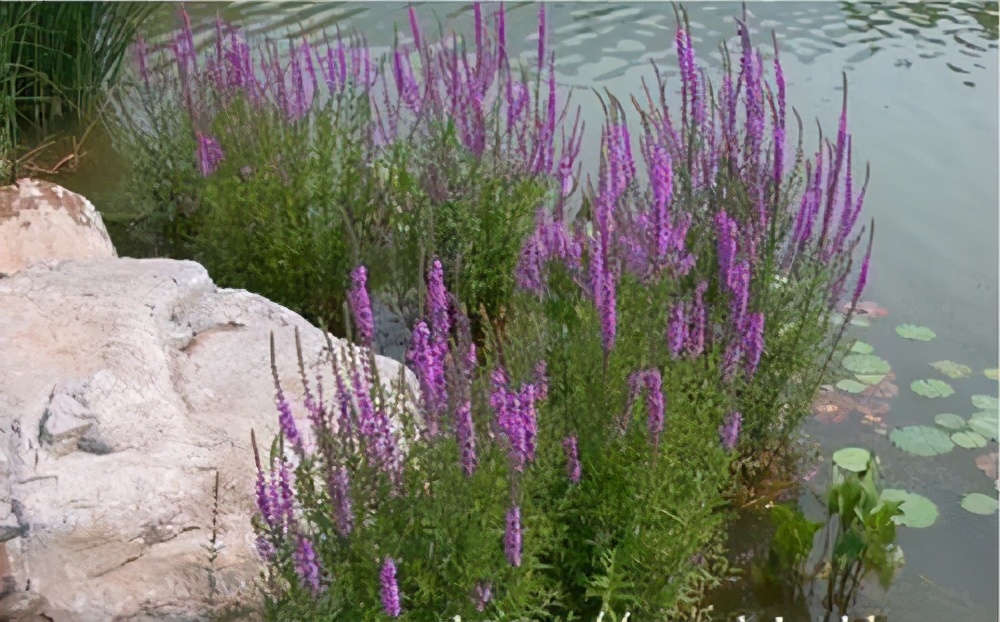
point(40, 221)
point(124, 386)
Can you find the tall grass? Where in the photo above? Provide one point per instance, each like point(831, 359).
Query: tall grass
point(58, 59)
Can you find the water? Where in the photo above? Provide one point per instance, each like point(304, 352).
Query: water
point(923, 111)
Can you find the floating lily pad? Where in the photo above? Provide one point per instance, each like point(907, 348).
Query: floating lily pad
point(918, 333)
point(949, 421)
point(870, 379)
point(885, 389)
point(978, 503)
point(932, 388)
point(992, 374)
point(860, 347)
point(952, 369)
point(866, 364)
point(852, 459)
point(860, 321)
point(918, 510)
point(851, 386)
point(832, 407)
point(986, 424)
point(922, 440)
point(985, 402)
point(968, 440)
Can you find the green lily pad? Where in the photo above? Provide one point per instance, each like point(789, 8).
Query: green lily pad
point(968, 440)
point(870, 379)
point(851, 386)
point(918, 333)
point(922, 440)
point(853, 459)
point(932, 388)
point(978, 503)
point(918, 510)
point(985, 402)
point(986, 424)
point(952, 369)
point(860, 347)
point(992, 374)
point(866, 364)
point(949, 421)
point(860, 321)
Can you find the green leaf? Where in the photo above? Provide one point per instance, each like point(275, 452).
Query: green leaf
point(932, 388)
point(853, 459)
point(978, 503)
point(922, 440)
point(968, 440)
point(860, 347)
point(985, 402)
point(860, 321)
point(870, 379)
point(992, 374)
point(865, 364)
point(949, 421)
point(851, 386)
point(952, 369)
point(918, 333)
point(986, 424)
point(918, 511)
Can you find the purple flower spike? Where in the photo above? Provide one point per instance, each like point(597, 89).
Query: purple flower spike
point(306, 564)
point(209, 155)
point(729, 431)
point(696, 335)
point(390, 588)
point(263, 502)
point(285, 419)
point(265, 549)
point(483, 595)
point(437, 302)
point(466, 437)
point(361, 306)
point(573, 470)
point(512, 537)
point(677, 329)
point(340, 496)
point(753, 343)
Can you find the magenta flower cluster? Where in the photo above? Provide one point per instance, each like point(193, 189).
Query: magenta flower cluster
point(517, 415)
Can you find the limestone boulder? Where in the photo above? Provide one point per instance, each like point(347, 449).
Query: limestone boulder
point(125, 386)
point(40, 221)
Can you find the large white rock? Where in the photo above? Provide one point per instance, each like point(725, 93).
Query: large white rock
point(124, 386)
point(40, 221)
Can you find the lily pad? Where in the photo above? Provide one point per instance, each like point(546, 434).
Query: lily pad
point(860, 321)
point(986, 424)
point(870, 379)
point(866, 364)
point(968, 440)
point(978, 503)
point(952, 369)
point(851, 386)
point(932, 388)
point(884, 389)
point(918, 333)
point(860, 347)
point(949, 421)
point(985, 402)
point(853, 459)
point(918, 510)
point(922, 440)
point(992, 374)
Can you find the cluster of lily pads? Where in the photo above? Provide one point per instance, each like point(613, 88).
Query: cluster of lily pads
point(871, 377)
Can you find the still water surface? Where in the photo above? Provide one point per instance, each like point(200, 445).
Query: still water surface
point(923, 110)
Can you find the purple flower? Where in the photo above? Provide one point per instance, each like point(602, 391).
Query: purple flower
point(285, 419)
point(209, 155)
point(651, 382)
point(726, 232)
point(361, 306)
point(729, 431)
point(427, 358)
point(285, 508)
point(516, 417)
point(265, 549)
point(466, 437)
point(483, 595)
point(263, 503)
point(696, 335)
point(677, 329)
point(573, 470)
point(753, 343)
point(731, 360)
point(340, 497)
point(437, 302)
point(390, 588)
point(512, 537)
point(306, 564)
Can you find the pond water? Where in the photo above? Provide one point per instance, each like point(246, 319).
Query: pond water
point(923, 110)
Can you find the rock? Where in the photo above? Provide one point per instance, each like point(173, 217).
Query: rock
point(125, 385)
point(40, 221)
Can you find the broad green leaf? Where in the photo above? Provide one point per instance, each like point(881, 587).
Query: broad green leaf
point(860, 321)
point(918, 333)
point(860, 347)
point(992, 374)
point(986, 424)
point(985, 402)
point(922, 440)
point(853, 459)
point(865, 364)
point(932, 388)
point(952, 369)
point(978, 503)
point(918, 510)
point(949, 421)
point(870, 379)
point(968, 440)
point(851, 386)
